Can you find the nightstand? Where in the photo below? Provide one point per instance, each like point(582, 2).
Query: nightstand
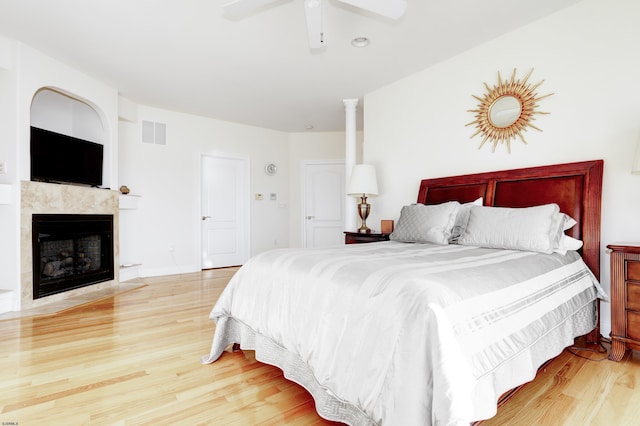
point(359, 238)
point(625, 299)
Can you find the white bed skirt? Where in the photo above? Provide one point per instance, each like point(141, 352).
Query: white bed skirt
point(513, 372)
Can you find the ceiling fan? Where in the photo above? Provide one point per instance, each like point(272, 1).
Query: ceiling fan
point(314, 11)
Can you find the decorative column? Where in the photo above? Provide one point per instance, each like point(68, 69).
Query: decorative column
point(350, 108)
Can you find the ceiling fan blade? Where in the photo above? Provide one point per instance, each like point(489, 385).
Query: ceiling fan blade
point(393, 9)
point(314, 10)
point(240, 8)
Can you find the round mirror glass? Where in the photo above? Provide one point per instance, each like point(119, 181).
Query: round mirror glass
point(505, 111)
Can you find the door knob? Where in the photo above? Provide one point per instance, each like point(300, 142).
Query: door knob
point(206, 217)
point(310, 217)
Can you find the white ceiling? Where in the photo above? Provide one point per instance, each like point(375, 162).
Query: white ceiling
point(184, 55)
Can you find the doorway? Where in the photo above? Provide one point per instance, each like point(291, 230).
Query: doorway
point(224, 211)
point(323, 203)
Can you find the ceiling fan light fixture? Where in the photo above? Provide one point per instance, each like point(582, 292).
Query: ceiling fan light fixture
point(315, 17)
point(314, 11)
point(360, 42)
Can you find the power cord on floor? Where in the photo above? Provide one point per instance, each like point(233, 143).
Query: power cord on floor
point(601, 349)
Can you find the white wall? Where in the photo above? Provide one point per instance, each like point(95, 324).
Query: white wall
point(9, 215)
point(587, 55)
point(167, 180)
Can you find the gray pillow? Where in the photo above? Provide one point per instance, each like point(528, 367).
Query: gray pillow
point(461, 220)
point(536, 228)
point(420, 223)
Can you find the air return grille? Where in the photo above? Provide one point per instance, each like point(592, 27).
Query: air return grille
point(154, 133)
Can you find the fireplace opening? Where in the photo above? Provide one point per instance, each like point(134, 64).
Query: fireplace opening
point(71, 251)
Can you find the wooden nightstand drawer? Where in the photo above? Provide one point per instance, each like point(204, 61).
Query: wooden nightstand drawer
point(633, 325)
point(625, 299)
point(633, 296)
point(359, 238)
point(633, 270)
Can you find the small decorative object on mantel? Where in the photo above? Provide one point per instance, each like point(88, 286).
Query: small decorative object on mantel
point(124, 189)
point(506, 110)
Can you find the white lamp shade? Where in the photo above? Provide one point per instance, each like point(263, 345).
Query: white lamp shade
point(363, 181)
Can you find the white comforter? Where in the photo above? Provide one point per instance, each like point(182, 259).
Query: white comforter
point(396, 333)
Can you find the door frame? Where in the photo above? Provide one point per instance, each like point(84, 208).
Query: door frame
point(303, 196)
point(246, 215)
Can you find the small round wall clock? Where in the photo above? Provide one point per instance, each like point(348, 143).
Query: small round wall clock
point(270, 169)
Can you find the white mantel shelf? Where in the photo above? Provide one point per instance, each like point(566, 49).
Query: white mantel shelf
point(129, 202)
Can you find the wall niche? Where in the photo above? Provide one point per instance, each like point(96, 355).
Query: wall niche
point(63, 114)
point(55, 111)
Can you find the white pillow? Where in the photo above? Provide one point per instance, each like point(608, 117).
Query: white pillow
point(538, 228)
point(565, 242)
point(568, 243)
point(419, 223)
point(461, 219)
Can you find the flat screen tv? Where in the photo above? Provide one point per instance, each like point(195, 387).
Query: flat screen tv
point(64, 159)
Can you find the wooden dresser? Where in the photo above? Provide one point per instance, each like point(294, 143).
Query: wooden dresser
point(625, 299)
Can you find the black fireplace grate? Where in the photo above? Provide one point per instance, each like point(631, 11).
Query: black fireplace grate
point(71, 251)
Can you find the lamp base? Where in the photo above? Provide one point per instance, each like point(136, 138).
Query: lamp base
point(364, 230)
point(363, 211)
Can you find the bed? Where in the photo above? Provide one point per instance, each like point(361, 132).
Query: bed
point(424, 332)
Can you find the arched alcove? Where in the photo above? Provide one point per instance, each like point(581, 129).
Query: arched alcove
point(73, 162)
point(62, 113)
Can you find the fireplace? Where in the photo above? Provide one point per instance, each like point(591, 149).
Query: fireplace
point(71, 251)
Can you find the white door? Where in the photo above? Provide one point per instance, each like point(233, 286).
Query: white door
point(225, 211)
point(323, 208)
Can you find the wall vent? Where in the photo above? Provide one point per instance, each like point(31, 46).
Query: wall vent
point(154, 133)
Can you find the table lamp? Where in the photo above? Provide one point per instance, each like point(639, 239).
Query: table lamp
point(363, 184)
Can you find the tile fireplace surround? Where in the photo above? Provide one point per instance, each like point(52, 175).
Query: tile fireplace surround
point(38, 197)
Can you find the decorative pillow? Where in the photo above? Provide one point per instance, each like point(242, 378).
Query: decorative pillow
point(419, 223)
point(461, 220)
point(537, 228)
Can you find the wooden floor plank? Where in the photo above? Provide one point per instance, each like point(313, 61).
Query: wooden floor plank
point(133, 359)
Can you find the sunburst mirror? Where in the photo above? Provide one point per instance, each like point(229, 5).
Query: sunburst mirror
point(506, 110)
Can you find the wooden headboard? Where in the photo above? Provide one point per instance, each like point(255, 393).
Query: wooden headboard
point(575, 187)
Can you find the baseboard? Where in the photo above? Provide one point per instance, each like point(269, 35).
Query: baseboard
point(6, 301)
point(169, 270)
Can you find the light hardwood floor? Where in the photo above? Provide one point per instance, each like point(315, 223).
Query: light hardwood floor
point(133, 358)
